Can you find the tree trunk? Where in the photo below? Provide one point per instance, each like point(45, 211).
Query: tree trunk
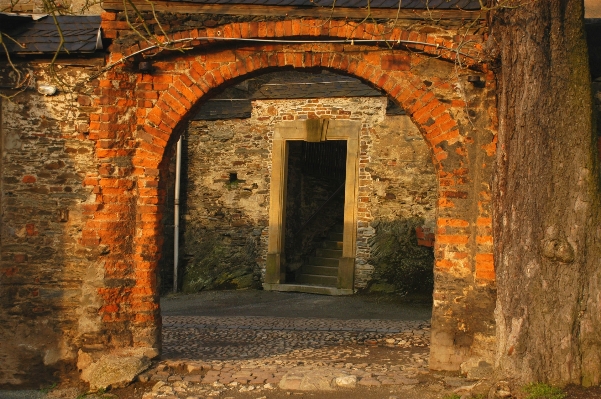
point(546, 198)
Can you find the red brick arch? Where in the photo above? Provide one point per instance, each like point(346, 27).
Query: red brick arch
point(140, 114)
point(185, 89)
point(428, 40)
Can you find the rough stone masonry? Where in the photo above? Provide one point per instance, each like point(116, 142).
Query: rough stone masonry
point(228, 221)
point(84, 183)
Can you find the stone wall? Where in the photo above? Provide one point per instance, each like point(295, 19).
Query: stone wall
point(225, 204)
point(224, 220)
point(48, 279)
point(97, 271)
point(76, 7)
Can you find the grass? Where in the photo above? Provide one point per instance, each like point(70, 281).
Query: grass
point(543, 391)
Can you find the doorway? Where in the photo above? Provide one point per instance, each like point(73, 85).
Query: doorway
point(315, 212)
point(291, 138)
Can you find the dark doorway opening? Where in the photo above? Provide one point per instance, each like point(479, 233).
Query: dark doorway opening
point(315, 189)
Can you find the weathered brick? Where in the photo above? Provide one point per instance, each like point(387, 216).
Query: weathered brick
point(139, 113)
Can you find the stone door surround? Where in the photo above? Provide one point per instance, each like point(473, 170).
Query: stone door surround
point(312, 130)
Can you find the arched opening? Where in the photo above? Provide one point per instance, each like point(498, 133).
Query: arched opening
point(463, 263)
point(319, 161)
point(374, 152)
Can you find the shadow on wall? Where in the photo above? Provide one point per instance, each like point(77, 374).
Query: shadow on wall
point(400, 264)
point(217, 263)
point(218, 244)
point(48, 279)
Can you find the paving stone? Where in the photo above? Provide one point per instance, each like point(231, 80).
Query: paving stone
point(347, 381)
point(407, 381)
point(294, 354)
point(369, 382)
point(210, 379)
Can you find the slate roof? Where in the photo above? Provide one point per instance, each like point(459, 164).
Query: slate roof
point(310, 85)
point(216, 109)
point(235, 102)
point(469, 5)
point(41, 36)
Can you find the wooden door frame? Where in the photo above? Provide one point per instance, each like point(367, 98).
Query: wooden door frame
point(312, 130)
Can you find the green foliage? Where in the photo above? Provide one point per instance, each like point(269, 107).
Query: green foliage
point(543, 391)
point(397, 258)
point(48, 388)
point(233, 184)
point(200, 273)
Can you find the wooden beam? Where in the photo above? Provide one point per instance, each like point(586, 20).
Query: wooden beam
point(184, 7)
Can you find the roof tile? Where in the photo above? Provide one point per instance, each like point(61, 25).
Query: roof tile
point(42, 36)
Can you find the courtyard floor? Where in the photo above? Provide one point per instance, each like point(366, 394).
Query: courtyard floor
point(260, 344)
point(272, 345)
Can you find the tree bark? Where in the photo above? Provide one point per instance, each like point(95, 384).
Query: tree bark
point(547, 222)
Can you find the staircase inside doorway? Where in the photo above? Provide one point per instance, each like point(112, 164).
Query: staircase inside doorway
point(322, 269)
point(314, 218)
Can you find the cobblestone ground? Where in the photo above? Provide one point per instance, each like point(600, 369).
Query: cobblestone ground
point(271, 356)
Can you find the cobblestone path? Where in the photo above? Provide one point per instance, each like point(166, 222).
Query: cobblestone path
point(241, 338)
point(232, 356)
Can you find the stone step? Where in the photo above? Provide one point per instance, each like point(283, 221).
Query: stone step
point(336, 236)
point(331, 244)
point(313, 279)
point(320, 270)
point(323, 261)
point(329, 253)
point(306, 288)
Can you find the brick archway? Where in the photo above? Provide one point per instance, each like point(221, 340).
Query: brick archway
point(141, 114)
point(432, 116)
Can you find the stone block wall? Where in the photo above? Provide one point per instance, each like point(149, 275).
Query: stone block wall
point(48, 277)
point(225, 204)
point(226, 220)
